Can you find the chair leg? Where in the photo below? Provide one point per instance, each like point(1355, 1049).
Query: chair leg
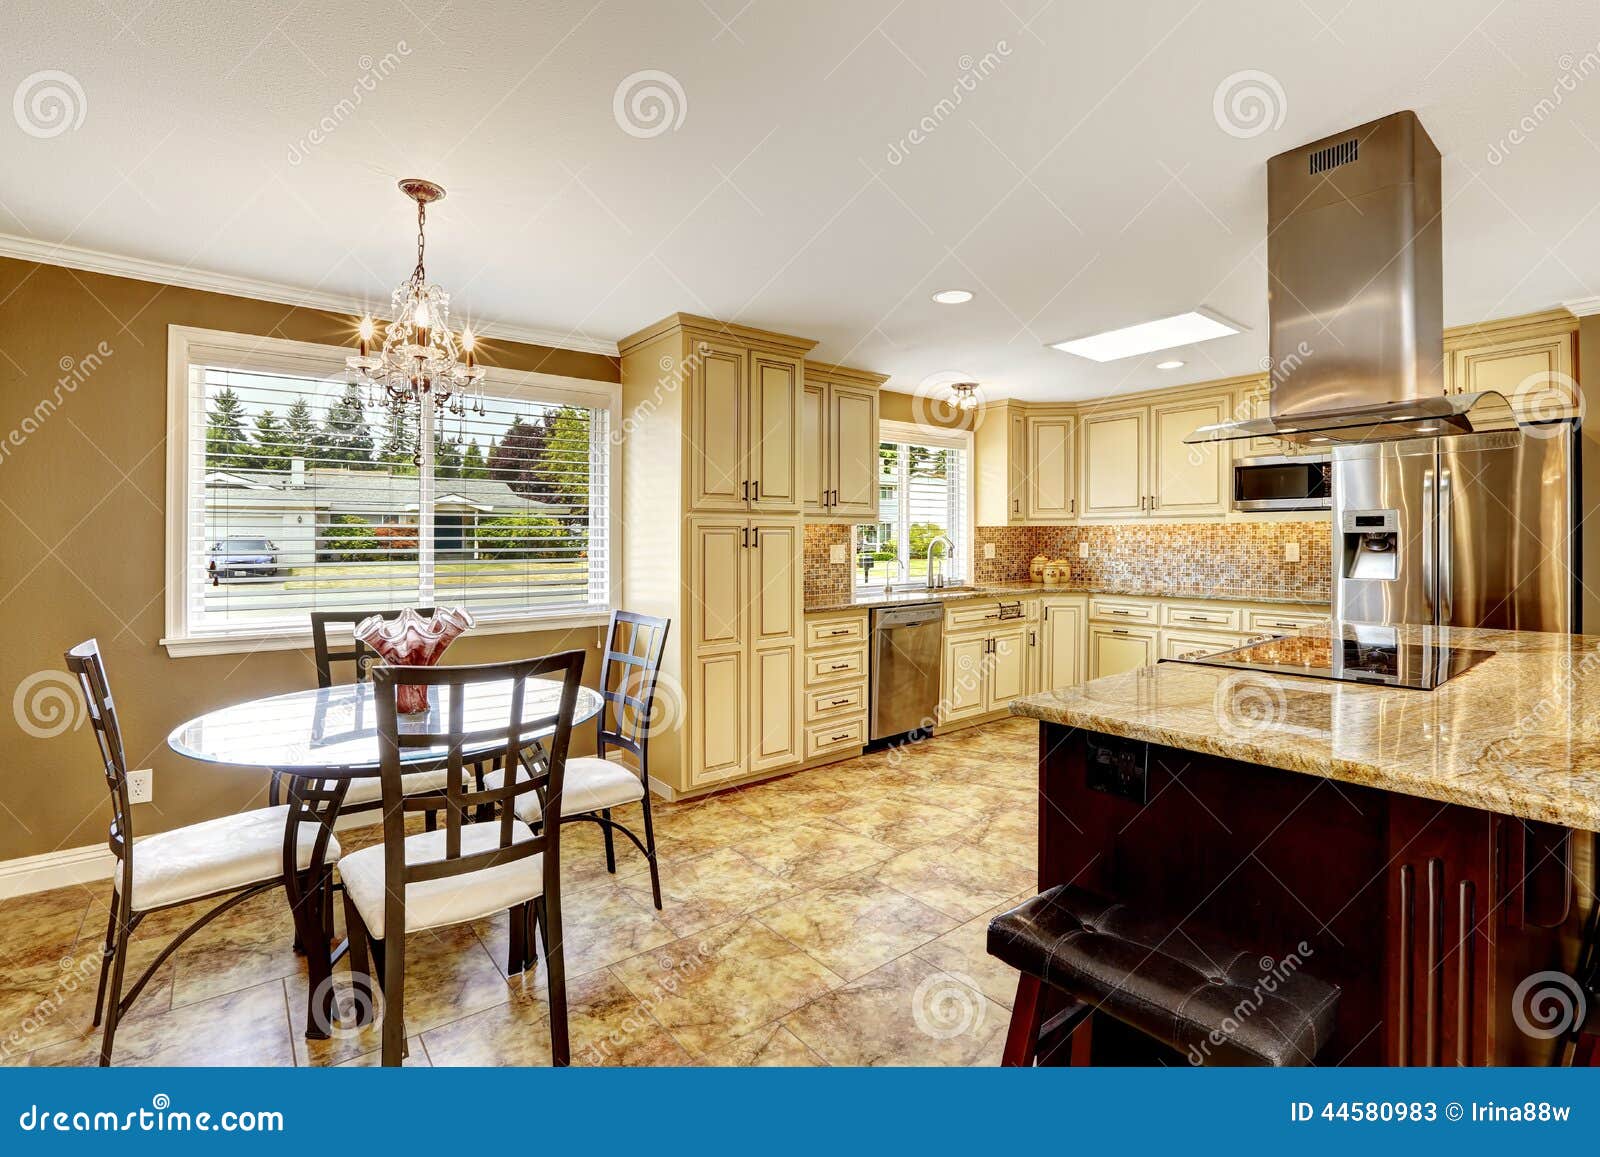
point(430, 820)
point(394, 998)
point(106, 952)
point(555, 962)
point(360, 965)
point(1022, 1038)
point(611, 849)
point(650, 850)
point(542, 924)
point(517, 952)
point(113, 1011)
point(530, 926)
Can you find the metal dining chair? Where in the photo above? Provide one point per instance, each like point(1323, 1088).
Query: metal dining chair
point(635, 645)
point(228, 859)
point(464, 871)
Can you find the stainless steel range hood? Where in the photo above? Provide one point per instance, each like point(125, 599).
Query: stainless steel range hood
point(1355, 296)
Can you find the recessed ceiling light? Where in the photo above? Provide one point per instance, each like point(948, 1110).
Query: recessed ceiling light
point(953, 296)
point(1171, 364)
point(1148, 336)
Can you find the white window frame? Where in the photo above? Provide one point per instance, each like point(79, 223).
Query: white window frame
point(901, 432)
point(188, 346)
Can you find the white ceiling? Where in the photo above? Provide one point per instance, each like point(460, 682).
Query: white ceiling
point(1084, 183)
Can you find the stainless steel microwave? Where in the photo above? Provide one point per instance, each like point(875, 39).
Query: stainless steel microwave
point(1283, 482)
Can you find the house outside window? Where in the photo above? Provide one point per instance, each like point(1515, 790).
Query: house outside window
point(291, 496)
point(924, 491)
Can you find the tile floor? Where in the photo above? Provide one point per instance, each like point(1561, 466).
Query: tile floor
point(834, 916)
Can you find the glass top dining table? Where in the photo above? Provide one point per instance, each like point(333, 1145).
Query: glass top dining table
point(332, 732)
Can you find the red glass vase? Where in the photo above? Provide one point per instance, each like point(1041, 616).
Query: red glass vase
point(412, 639)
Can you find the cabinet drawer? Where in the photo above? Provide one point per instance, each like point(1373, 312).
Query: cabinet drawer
point(836, 632)
point(1201, 616)
point(1186, 644)
point(834, 666)
point(988, 612)
point(842, 735)
point(1122, 610)
point(836, 701)
point(1267, 620)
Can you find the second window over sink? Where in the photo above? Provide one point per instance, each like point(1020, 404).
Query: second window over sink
point(923, 492)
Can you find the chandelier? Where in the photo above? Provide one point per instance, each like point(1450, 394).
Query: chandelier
point(964, 396)
point(420, 358)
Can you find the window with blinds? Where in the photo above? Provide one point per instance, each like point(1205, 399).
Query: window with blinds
point(300, 498)
point(922, 493)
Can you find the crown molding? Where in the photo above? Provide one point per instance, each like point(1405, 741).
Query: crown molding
point(1583, 306)
point(185, 277)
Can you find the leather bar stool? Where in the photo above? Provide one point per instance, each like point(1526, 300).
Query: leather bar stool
point(1210, 1001)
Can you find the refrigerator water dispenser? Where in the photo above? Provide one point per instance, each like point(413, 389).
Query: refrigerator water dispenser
point(1371, 544)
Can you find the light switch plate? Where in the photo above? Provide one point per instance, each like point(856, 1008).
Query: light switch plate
point(141, 785)
point(1083, 550)
point(836, 553)
point(988, 550)
point(1291, 552)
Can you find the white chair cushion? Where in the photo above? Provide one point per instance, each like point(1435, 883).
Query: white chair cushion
point(217, 856)
point(592, 784)
point(453, 899)
point(369, 788)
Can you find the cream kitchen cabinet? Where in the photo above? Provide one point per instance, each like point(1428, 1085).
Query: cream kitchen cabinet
point(1188, 479)
point(1253, 400)
point(839, 442)
point(1530, 361)
point(1000, 446)
point(1115, 470)
point(1061, 660)
point(988, 661)
point(744, 427)
point(1113, 650)
point(1051, 455)
point(1135, 462)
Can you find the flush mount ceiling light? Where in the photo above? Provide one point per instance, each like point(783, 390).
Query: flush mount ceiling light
point(1170, 364)
point(953, 296)
point(965, 395)
point(1148, 336)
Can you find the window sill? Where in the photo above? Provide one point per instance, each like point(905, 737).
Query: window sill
point(244, 643)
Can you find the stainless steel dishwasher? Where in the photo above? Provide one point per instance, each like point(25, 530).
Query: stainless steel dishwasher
point(906, 649)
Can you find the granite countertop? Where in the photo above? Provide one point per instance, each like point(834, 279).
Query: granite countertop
point(1518, 734)
point(855, 600)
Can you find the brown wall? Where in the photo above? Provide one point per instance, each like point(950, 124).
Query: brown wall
point(894, 406)
point(82, 540)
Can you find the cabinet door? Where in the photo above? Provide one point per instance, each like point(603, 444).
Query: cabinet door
point(776, 589)
point(1017, 468)
point(1535, 374)
point(716, 434)
point(1255, 401)
point(853, 446)
point(1051, 467)
point(1008, 666)
point(1113, 471)
point(1113, 650)
point(1188, 479)
point(719, 692)
point(965, 677)
point(775, 729)
point(719, 578)
point(1185, 644)
point(774, 455)
point(814, 475)
point(1062, 662)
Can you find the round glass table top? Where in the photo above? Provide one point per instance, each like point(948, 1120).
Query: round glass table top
point(334, 730)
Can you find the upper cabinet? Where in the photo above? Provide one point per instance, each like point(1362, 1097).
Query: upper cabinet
point(1051, 455)
point(1529, 360)
point(1114, 481)
point(1254, 400)
point(744, 428)
point(1000, 450)
point(1184, 478)
point(839, 442)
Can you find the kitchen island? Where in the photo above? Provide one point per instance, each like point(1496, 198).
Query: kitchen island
point(1425, 850)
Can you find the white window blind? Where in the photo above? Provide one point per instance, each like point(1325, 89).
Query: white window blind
point(298, 498)
point(922, 493)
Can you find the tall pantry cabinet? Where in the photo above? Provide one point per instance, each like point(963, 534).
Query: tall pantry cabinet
point(713, 494)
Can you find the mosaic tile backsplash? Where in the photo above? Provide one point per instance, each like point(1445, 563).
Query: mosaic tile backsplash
point(1219, 554)
point(826, 580)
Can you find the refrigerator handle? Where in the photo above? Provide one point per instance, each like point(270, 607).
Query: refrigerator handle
point(1446, 603)
point(1429, 513)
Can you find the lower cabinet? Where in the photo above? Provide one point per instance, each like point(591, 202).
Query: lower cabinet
point(965, 678)
point(775, 729)
point(983, 671)
point(1113, 650)
point(1188, 644)
point(1061, 657)
point(717, 725)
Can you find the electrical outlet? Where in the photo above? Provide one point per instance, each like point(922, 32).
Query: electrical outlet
point(1291, 552)
point(988, 550)
point(141, 785)
point(836, 553)
point(1083, 550)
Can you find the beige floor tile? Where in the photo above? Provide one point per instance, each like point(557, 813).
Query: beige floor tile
point(241, 1028)
point(807, 854)
point(902, 821)
point(708, 890)
point(43, 932)
point(957, 879)
point(416, 1057)
point(710, 988)
point(906, 1013)
point(964, 951)
point(855, 924)
point(771, 1047)
point(605, 925)
point(242, 948)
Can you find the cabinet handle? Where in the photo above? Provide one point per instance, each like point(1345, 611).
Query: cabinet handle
point(744, 536)
point(838, 703)
point(1141, 502)
point(1016, 506)
point(755, 489)
point(1114, 611)
point(746, 486)
point(840, 631)
point(1033, 640)
point(755, 538)
point(837, 738)
point(840, 667)
point(1119, 630)
point(1072, 506)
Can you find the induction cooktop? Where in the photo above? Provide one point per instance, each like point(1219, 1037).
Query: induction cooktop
point(1359, 654)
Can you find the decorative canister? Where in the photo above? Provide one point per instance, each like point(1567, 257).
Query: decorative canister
point(1051, 574)
point(1063, 572)
point(1036, 567)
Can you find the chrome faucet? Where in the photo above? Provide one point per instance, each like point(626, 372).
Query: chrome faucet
point(949, 549)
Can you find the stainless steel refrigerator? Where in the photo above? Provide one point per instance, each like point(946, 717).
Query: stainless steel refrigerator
point(1476, 530)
